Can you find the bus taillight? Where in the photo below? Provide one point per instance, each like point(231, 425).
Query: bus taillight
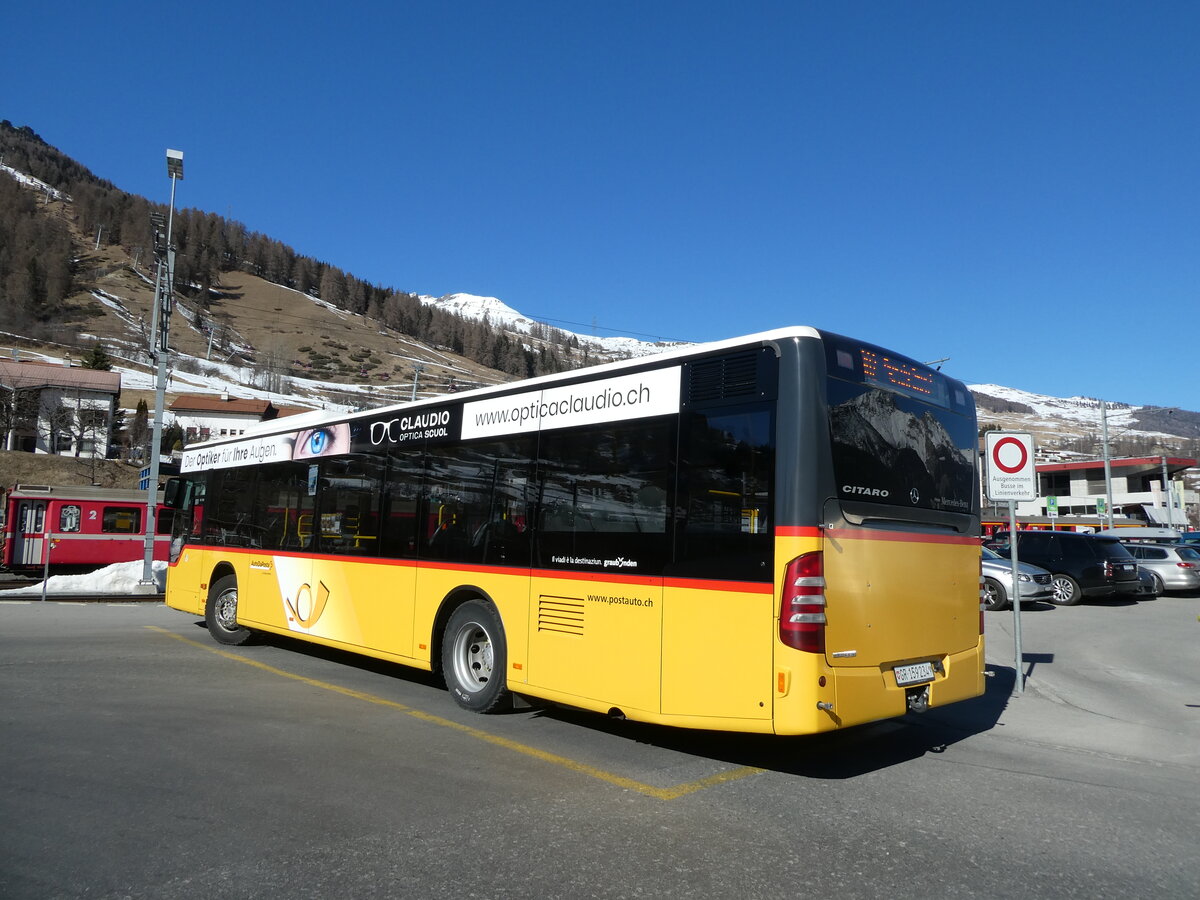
point(802, 607)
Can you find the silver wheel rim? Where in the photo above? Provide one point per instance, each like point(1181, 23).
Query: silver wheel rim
point(1062, 589)
point(226, 610)
point(991, 596)
point(472, 656)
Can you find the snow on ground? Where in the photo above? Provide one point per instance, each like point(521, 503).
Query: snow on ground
point(118, 579)
point(30, 181)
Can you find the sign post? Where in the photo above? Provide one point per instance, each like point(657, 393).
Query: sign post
point(1012, 477)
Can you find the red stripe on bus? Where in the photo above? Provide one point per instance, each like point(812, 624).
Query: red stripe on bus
point(705, 584)
point(797, 531)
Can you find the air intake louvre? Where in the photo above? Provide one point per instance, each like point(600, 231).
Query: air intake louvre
point(728, 376)
point(561, 614)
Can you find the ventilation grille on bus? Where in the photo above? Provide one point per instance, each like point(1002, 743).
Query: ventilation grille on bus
point(728, 376)
point(561, 614)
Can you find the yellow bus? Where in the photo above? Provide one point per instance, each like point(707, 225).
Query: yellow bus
point(776, 533)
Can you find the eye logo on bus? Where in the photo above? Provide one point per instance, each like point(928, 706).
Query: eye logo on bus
point(323, 441)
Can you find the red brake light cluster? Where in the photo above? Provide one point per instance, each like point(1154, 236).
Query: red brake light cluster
point(802, 606)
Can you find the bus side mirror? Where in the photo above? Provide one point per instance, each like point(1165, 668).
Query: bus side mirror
point(175, 493)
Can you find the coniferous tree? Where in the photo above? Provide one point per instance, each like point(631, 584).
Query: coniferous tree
point(97, 358)
point(137, 437)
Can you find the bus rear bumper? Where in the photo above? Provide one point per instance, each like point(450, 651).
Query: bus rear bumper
point(868, 694)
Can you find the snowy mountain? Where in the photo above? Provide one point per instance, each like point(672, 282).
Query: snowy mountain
point(1007, 407)
point(496, 312)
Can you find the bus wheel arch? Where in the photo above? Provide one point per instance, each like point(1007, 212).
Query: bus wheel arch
point(472, 649)
point(220, 609)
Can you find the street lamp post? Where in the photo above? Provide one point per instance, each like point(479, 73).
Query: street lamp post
point(164, 287)
point(1168, 500)
point(1108, 510)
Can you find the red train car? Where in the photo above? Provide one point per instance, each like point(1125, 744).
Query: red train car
point(78, 527)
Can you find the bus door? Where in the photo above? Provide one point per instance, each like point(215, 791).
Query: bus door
point(29, 534)
point(719, 609)
point(596, 597)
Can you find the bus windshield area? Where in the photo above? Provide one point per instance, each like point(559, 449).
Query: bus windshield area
point(898, 450)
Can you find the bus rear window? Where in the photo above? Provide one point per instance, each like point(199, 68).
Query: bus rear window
point(895, 449)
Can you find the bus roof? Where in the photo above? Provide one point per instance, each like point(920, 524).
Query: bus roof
point(293, 423)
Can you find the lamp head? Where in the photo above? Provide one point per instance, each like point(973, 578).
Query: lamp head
point(175, 164)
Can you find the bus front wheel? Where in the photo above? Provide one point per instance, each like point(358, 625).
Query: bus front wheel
point(220, 613)
point(475, 656)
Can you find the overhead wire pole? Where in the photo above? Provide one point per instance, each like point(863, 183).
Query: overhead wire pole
point(165, 285)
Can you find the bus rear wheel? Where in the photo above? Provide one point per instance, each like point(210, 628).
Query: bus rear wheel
point(475, 657)
point(220, 613)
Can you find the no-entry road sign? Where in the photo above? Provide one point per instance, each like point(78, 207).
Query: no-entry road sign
point(1011, 474)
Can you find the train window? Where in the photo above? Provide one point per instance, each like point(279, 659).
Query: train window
point(69, 518)
point(121, 520)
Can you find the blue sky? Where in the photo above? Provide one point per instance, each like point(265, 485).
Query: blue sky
point(1012, 185)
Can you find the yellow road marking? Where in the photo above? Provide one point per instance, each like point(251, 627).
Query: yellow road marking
point(671, 793)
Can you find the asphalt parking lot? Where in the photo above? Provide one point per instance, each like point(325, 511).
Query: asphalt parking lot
point(140, 759)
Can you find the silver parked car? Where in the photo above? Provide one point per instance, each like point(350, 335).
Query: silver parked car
point(1175, 567)
point(996, 593)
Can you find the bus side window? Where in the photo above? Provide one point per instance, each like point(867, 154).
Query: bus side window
point(604, 494)
point(727, 461)
point(284, 508)
point(474, 503)
point(398, 506)
point(229, 519)
point(349, 505)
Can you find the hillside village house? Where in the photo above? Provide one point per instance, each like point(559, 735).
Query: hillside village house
point(57, 408)
point(205, 416)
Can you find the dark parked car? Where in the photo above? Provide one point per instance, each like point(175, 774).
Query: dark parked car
point(1083, 565)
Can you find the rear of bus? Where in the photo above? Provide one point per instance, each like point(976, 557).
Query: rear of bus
point(878, 547)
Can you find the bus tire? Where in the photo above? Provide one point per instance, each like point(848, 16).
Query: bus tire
point(994, 595)
point(1066, 591)
point(475, 657)
point(220, 613)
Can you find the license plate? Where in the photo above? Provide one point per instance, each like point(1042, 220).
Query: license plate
point(914, 674)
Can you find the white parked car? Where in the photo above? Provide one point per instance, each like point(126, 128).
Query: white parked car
point(996, 593)
point(1175, 567)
